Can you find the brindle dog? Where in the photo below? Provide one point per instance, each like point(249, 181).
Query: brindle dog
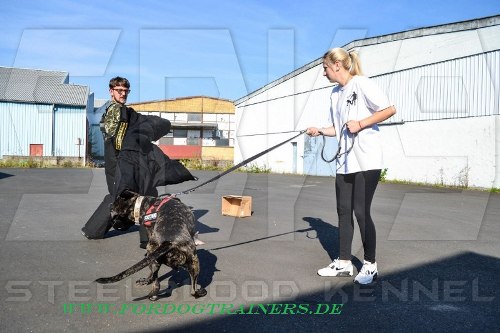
point(171, 230)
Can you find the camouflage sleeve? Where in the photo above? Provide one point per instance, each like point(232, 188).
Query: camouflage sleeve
point(122, 128)
point(112, 119)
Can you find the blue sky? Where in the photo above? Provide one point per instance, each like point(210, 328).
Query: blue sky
point(225, 49)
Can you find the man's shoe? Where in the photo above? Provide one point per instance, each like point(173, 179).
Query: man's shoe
point(367, 274)
point(85, 235)
point(337, 268)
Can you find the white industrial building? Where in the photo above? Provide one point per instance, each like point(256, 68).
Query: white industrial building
point(444, 82)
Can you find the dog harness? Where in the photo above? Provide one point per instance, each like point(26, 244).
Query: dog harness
point(151, 213)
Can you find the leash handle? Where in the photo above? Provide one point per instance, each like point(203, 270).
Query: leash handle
point(237, 166)
point(338, 154)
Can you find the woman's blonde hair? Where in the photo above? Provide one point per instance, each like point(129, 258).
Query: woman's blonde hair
point(349, 60)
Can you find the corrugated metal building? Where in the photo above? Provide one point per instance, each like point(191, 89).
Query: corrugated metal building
point(445, 83)
point(42, 115)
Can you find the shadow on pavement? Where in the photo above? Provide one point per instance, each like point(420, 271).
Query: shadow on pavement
point(459, 293)
point(180, 277)
point(5, 175)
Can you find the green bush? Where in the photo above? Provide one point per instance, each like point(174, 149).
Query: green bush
point(383, 175)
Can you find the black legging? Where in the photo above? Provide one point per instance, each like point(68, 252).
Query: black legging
point(355, 192)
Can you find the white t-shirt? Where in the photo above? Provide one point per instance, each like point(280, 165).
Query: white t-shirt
point(357, 100)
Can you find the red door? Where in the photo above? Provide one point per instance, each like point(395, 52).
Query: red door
point(36, 150)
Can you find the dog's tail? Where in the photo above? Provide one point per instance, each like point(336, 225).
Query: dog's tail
point(161, 250)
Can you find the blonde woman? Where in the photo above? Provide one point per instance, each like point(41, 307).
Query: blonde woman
point(357, 106)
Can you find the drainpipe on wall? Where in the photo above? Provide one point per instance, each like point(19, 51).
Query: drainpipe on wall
point(54, 109)
point(496, 182)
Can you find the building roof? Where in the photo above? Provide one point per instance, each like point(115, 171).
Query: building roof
point(192, 104)
point(414, 33)
point(182, 98)
point(40, 86)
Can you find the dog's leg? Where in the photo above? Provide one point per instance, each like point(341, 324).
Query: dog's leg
point(194, 272)
point(154, 267)
point(153, 294)
point(153, 278)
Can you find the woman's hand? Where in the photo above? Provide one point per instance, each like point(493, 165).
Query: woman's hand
point(313, 131)
point(354, 126)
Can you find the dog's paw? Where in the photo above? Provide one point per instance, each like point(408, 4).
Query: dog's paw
point(197, 241)
point(153, 297)
point(200, 293)
point(143, 282)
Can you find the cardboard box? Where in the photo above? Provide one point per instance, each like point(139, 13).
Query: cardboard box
point(237, 205)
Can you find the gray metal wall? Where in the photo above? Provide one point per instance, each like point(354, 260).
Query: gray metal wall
point(69, 126)
point(23, 124)
point(465, 87)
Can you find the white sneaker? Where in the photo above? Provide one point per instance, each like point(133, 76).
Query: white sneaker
point(367, 274)
point(336, 268)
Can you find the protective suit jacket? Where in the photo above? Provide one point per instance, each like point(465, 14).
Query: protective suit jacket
point(142, 166)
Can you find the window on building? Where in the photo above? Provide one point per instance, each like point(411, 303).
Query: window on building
point(209, 134)
point(166, 141)
point(180, 133)
point(193, 133)
point(194, 117)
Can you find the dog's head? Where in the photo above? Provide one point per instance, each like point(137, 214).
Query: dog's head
point(123, 207)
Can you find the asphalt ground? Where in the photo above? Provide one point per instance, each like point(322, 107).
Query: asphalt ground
point(437, 251)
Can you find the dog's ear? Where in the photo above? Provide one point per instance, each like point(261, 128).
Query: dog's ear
point(127, 194)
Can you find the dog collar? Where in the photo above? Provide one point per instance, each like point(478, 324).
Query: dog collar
point(137, 209)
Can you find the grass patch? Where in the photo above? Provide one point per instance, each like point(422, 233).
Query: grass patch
point(463, 185)
point(23, 163)
point(211, 165)
point(27, 163)
point(254, 168)
point(438, 185)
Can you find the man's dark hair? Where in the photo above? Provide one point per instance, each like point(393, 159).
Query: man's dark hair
point(118, 82)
